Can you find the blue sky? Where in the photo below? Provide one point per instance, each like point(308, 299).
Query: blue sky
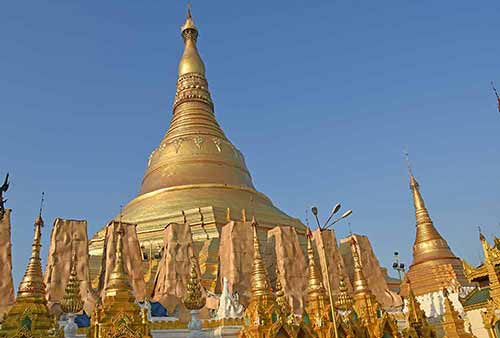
point(321, 97)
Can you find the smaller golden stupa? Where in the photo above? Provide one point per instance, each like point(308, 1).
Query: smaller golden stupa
point(453, 325)
point(72, 300)
point(344, 299)
point(194, 298)
point(418, 326)
point(30, 317)
point(377, 323)
point(434, 264)
point(318, 313)
point(119, 315)
point(263, 318)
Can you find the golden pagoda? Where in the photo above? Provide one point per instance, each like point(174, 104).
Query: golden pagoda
point(418, 326)
point(318, 313)
point(30, 317)
point(195, 175)
point(263, 318)
point(344, 299)
point(434, 264)
point(453, 325)
point(119, 315)
point(376, 322)
point(194, 298)
point(72, 300)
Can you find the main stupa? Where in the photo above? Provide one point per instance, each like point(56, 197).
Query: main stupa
point(196, 175)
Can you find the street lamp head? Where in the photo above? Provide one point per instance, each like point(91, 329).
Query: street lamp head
point(336, 209)
point(314, 210)
point(346, 214)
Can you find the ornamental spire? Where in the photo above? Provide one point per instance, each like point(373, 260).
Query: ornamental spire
point(72, 301)
point(360, 283)
point(32, 284)
point(260, 281)
point(314, 281)
point(194, 299)
point(429, 244)
point(30, 312)
point(191, 61)
point(344, 300)
point(119, 282)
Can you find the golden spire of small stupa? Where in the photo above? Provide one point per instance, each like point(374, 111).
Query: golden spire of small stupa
point(415, 317)
point(360, 284)
point(72, 301)
point(429, 244)
point(453, 325)
point(281, 299)
point(415, 313)
point(344, 300)
point(194, 298)
point(119, 282)
point(30, 312)
point(260, 280)
point(262, 312)
point(315, 286)
point(119, 315)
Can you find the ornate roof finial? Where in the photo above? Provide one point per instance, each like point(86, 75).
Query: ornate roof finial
point(194, 299)
point(72, 301)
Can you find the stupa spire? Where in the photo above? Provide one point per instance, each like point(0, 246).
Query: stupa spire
point(360, 283)
point(30, 316)
point(191, 61)
point(72, 301)
point(315, 286)
point(429, 244)
point(260, 282)
point(119, 283)
point(32, 284)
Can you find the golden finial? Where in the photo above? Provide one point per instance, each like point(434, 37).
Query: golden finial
point(191, 61)
point(260, 281)
point(72, 301)
point(194, 299)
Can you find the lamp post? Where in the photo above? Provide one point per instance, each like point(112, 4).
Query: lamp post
point(397, 265)
point(326, 226)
